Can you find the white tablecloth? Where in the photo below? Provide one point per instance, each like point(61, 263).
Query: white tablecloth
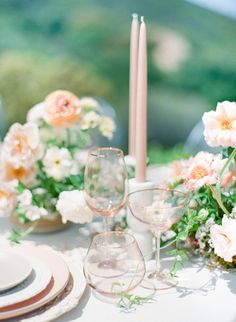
point(212, 299)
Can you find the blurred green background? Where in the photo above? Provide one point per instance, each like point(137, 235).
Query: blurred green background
point(83, 46)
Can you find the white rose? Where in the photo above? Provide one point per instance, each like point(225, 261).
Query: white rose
point(58, 163)
point(72, 207)
point(223, 238)
point(36, 113)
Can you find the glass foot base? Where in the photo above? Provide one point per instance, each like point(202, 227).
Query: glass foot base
point(158, 281)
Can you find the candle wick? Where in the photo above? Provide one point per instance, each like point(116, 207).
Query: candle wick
point(142, 19)
point(134, 15)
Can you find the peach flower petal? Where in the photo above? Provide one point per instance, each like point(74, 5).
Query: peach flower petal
point(62, 108)
point(203, 170)
point(21, 146)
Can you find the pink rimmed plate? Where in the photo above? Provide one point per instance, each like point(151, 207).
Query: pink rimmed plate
point(35, 283)
point(60, 278)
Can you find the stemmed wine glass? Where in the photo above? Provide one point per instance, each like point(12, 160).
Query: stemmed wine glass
point(159, 209)
point(106, 182)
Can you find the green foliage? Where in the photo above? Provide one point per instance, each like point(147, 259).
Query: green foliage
point(129, 302)
point(158, 155)
point(16, 235)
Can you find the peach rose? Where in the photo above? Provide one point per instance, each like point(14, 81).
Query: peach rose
point(25, 175)
point(62, 109)
point(21, 146)
point(220, 125)
point(224, 238)
point(204, 170)
point(178, 168)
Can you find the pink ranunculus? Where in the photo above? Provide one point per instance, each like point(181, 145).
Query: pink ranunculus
point(62, 109)
point(223, 238)
point(21, 146)
point(220, 125)
point(204, 170)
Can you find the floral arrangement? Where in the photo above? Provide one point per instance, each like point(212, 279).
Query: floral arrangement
point(42, 161)
point(209, 225)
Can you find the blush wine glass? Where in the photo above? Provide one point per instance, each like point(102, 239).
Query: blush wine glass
point(106, 182)
point(158, 209)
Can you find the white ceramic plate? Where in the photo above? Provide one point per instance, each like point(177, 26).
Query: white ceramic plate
point(9, 275)
point(31, 286)
point(60, 278)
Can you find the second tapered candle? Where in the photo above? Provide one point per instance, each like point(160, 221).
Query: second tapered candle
point(141, 112)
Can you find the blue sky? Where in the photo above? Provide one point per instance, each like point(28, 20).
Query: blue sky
point(224, 7)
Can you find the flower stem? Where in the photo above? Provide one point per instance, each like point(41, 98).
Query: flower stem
point(217, 197)
point(30, 229)
point(217, 193)
point(222, 172)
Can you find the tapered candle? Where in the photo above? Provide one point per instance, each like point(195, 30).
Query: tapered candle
point(141, 111)
point(134, 36)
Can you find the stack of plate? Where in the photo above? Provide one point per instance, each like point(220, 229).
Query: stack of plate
point(30, 278)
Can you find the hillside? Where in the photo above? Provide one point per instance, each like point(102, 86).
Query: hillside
point(84, 47)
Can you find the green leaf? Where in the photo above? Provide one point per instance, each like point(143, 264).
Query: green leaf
point(15, 237)
point(77, 181)
point(183, 235)
point(182, 254)
point(20, 187)
point(177, 265)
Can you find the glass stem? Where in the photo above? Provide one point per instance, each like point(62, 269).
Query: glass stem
point(106, 228)
point(157, 251)
point(106, 224)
